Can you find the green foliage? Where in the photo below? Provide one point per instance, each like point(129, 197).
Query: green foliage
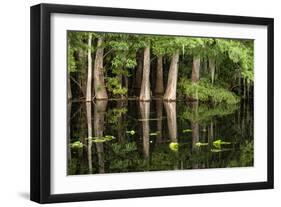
point(115, 86)
point(241, 53)
point(245, 155)
point(205, 92)
point(113, 114)
point(123, 156)
point(167, 45)
point(76, 46)
point(234, 59)
point(121, 149)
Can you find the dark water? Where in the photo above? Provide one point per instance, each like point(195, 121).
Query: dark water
point(133, 136)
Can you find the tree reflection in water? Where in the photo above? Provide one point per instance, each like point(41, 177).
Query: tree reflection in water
point(133, 136)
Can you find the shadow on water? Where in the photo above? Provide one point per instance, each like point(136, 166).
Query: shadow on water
point(132, 136)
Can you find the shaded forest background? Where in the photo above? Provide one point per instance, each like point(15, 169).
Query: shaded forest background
point(124, 66)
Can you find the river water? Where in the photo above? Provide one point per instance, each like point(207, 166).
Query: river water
point(132, 136)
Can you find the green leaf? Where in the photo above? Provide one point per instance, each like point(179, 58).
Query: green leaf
point(174, 146)
point(187, 130)
point(76, 145)
point(199, 144)
point(132, 132)
point(154, 133)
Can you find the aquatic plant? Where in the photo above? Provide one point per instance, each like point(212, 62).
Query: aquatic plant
point(131, 132)
point(219, 142)
point(174, 146)
point(187, 130)
point(101, 139)
point(76, 145)
point(200, 144)
point(154, 133)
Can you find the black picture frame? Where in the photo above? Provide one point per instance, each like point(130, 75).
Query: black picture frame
point(41, 96)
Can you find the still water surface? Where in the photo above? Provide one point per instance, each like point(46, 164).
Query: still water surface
point(132, 136)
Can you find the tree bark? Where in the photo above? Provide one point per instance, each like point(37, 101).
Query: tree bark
point(144, 112)
point(145, 85)
point(171, 120)
point(212, 67)
point(99, 113)
point(69, 93)
point(195, 75)
point(90, 135)
point(171, 89)
point(159, 88)
point(89, 77)
point(99, 83)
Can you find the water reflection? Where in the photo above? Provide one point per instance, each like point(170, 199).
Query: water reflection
point(171, 120)
point(132, 136)
point(144, 114)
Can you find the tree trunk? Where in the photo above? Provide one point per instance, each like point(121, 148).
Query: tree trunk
point(195, 75)
point(89, 77)
point(145, 85)
point(159, 88)
point(99, 84)
point(171, 120)
point(144, 112)
point(138, 77)
point(90, 135)
point(99, 113)
point(69, 93)
point(171, 89)
point(212, 67)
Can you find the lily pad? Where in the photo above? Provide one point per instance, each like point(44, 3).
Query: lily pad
point(174, 146)
point(219, 142)
point(131, 132)
point(154, 133)
point(200, 144)
point(76, 145)
point(102, 139)
point(187, 130)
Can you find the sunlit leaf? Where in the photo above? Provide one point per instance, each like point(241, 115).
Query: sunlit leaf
point(174, 146)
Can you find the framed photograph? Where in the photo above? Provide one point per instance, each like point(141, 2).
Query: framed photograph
point(132, 103)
